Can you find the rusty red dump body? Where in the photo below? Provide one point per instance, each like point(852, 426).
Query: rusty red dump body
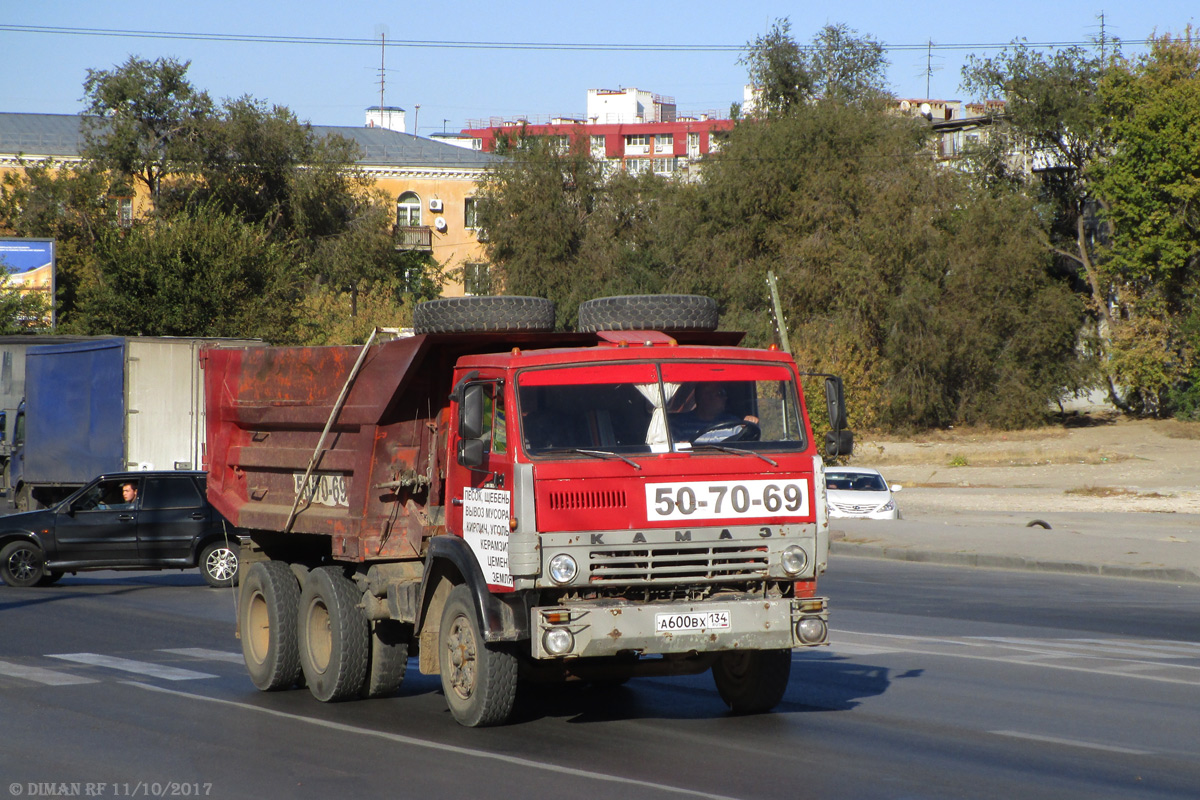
point(381, 473)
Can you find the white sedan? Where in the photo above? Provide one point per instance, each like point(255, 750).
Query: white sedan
point(860, 492)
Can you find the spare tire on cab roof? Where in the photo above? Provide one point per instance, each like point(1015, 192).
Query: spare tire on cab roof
point(649, 312)
point(475, 314)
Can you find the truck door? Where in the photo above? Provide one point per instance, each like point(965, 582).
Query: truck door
point(174, 514)
point(480, 479)
point(98, 526)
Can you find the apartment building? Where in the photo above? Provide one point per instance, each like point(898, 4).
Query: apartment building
point(629, 129)
point(432, 183)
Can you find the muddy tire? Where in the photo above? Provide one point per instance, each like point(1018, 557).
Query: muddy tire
point(752, 681)
point(267, 614)
point(333, 636)
point(474, 314)
point(388, 660)
point(479, 680)
point(649, 312)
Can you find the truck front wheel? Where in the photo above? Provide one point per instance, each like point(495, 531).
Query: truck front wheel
point(480, 683)
point(334, 638)
point(267, 621)
point(752, 681)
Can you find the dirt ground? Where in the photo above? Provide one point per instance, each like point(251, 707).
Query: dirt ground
point(1093, 463)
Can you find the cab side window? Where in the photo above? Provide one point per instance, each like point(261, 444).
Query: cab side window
point(494, 431)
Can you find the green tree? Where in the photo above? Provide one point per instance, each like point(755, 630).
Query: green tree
point(1151, 186)
point(199, 273)
point(1054, 118)
point(933, 299)
point(839, 65)
point(144, 120)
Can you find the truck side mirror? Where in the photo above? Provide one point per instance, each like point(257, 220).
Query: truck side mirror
point(835, 402)
point(470, 412)
point(470, 453)
point(839, 443)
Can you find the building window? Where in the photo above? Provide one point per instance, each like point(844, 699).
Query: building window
point(408, 210)
point(560, 145)
point(470, 213)
point(693, 145)
point(637, 166)
point(664, 166)
point(637, 144)
point(664, 143)
point(477, 279)
point(599, 148)
point(123, 207)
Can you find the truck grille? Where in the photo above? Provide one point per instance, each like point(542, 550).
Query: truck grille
point(583, 500)
point(701, 564)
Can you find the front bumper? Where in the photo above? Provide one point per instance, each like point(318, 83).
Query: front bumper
point(610, 627)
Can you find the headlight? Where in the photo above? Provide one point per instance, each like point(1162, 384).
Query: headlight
point(563, 569)
point(890, 505)
point(558, 641)
point(811, 630)
point(794, 560)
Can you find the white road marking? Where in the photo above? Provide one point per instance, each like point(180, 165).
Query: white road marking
point(411, 741)
point(1154, 661)
point(205, 654)
point(1108, 748)
point(41, 675)
point(139, 667)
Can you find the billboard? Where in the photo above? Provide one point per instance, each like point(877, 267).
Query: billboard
point(28, 264)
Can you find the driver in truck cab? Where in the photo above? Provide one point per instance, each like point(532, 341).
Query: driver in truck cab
point(709, 410)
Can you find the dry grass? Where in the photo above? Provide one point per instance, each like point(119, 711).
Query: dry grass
point(1032, 456)
point(1177, 429)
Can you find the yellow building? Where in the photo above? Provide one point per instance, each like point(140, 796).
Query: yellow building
point(431, 183)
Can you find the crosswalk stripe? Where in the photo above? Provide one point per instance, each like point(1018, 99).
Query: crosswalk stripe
point(138, 667)
point(204, 654)
point(49, 677)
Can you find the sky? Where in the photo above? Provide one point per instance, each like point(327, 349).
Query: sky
point(323, 59)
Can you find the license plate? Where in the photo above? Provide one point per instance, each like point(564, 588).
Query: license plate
point(694, 621)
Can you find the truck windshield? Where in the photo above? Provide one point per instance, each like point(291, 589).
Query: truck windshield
point(656, 408)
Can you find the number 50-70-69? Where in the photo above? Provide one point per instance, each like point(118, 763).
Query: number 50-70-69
point(722, 499)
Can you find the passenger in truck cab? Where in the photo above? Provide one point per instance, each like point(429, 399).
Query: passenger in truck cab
point(709, 410)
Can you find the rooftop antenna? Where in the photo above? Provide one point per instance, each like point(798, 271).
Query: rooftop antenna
point(929, 67)
point(381, 32)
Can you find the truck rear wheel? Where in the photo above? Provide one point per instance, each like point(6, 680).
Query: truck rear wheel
point(267, 621)
point(333, 635)
point(752, 681)
point(468, 314)
point(653, 312)
point(480, 683)
point(389, 658)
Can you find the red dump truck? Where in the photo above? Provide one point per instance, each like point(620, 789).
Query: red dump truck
point(504, 501)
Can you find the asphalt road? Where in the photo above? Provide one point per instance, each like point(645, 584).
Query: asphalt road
point(941, 682)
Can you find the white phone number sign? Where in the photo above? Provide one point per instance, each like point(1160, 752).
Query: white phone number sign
point(727, 500)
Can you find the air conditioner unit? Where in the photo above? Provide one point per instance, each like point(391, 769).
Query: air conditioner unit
point(435, 205)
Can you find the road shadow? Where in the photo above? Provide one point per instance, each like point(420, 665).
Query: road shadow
point(71, 587)
point(825, 683)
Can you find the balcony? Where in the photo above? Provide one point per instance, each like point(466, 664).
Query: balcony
point(413, 237)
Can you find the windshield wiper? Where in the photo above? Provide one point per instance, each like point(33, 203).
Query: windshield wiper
point(737, 451)
point(607, 454)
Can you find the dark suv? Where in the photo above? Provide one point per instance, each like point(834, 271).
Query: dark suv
point(125, 520)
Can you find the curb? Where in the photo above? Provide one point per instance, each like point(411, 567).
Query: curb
point(992, 561)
